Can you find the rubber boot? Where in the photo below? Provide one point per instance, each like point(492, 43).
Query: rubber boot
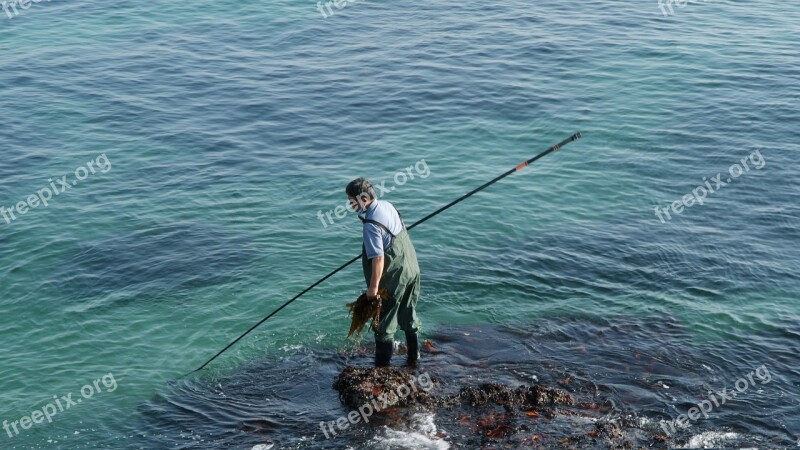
point(383, 353)
point(412, 342)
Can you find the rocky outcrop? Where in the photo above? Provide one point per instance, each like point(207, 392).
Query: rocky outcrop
point(488, 414)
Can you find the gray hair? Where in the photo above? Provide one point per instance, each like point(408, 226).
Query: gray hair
point(360, 188)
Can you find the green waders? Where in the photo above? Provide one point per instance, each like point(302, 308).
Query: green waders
point(401, 280)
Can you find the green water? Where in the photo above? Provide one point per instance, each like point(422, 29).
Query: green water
point(229, 125)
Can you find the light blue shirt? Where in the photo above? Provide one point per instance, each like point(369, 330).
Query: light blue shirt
point(376, 239)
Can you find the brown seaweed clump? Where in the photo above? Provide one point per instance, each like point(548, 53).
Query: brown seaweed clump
point(364, 311)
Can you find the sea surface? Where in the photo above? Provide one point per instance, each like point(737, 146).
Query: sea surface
point(221, 135)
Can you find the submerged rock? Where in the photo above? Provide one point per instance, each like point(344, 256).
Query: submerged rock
point(489, 414)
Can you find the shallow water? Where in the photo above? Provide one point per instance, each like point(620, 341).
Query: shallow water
point(643, 370)
point(230, 126)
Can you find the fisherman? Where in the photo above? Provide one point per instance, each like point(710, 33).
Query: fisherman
point(390, 262)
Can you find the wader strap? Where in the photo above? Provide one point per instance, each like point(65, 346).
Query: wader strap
point(375, 222)
point(400, 216)
point(363, 220)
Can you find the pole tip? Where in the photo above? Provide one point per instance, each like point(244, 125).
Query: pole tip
point(576, 136)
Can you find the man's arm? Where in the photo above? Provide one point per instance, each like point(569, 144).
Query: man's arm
point(377, 273)
point(373, 244)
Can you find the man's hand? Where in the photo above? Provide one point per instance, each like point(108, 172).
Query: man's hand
point(372, 292)
point(377, 273)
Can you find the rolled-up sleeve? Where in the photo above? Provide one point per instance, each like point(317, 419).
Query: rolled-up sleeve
point(373, 240)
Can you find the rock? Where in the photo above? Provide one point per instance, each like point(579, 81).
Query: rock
point(542, 396)
point(490, 414)
point(387, 386)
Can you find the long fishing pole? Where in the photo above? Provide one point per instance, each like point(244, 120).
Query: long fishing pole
point(521, 166)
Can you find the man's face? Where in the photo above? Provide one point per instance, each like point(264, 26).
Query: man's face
point(354, 204)
point(358, 204)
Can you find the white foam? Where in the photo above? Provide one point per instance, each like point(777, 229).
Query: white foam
point(421, 435)
point(424, 423)
point(710, 439)
point(263, 447)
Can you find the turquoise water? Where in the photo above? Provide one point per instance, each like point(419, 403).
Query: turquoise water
point(229, 125)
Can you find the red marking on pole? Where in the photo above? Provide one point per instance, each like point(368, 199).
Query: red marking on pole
point(522, 166)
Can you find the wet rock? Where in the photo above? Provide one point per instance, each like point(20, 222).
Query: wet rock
point(609, 429)
point(542, 396)
point(492, 415)
point(386, 386)
point(486, 394)
point(522, 396)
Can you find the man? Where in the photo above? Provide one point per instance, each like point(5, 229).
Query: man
point(390, 262)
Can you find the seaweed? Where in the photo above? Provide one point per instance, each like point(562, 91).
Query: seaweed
point(363, 311)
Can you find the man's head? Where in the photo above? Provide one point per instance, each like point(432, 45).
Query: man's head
point(360, 193)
